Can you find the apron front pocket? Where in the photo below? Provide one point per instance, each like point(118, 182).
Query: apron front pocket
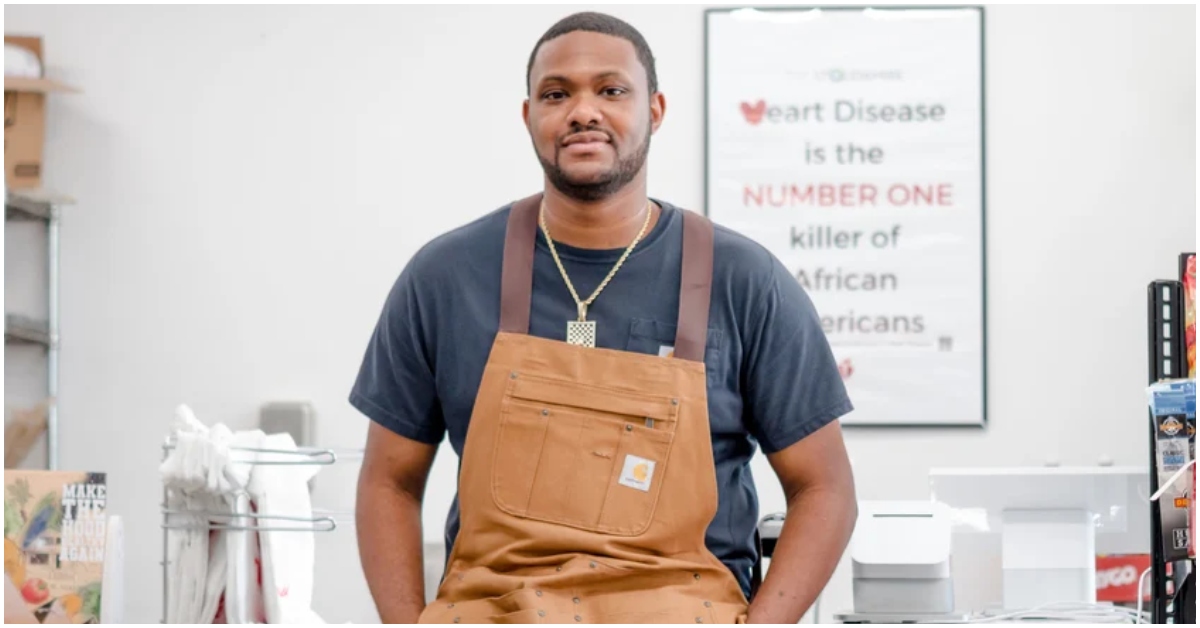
point(633, 493)
point(518, 450)
point(581, 456)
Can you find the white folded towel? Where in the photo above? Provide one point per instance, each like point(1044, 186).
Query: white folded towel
point(211, 478)
point(287, 557)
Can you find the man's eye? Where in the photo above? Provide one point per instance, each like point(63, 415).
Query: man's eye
point(614, 91)
point(555, 95)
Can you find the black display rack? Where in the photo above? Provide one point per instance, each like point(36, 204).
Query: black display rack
point(1173, 593)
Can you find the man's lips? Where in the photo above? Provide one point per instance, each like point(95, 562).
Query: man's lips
point(586, 138)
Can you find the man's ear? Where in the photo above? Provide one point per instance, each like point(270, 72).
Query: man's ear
point(525, 113)
point(658, 108)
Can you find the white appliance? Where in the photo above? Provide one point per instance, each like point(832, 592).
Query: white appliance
point(900, 553)
point(1053, 521)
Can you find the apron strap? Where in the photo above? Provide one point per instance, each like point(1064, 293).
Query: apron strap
point(516, 280)
point(695, 287)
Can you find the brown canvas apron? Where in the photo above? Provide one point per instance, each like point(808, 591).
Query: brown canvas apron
point(587, 479)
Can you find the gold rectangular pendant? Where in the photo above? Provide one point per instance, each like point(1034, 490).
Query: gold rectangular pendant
point(582, 333)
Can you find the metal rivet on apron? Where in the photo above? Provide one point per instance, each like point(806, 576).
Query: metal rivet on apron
point(628, 427)
point(456, 620)
point(541, 613)
point(696, 576)
point(575, 600)
point(674, 402)
point(558, 568)
point(545, 412)
point(707, 604)
point(578, 618)
point(513, 375)
point(592, 565)
point(539, 593)
point(699, 621)
point(450, 605)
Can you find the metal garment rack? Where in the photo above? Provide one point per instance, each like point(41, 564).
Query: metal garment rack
point(30, 205)
point(326, 522)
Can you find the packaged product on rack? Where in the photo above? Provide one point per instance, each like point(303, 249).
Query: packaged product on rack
point(1173, 408)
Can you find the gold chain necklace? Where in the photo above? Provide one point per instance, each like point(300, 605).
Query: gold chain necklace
point(583, 331)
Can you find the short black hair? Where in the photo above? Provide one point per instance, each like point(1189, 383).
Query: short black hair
point(606, 25)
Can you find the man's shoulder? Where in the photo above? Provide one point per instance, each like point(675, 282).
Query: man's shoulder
point(742, 259)
point(462, 253)
point(478, 236)
point(734, 252)
point(749, 275)
point(463, 256)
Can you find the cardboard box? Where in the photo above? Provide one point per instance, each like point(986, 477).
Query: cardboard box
point(25, 121)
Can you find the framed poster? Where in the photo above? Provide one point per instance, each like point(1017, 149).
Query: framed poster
point(849, 143)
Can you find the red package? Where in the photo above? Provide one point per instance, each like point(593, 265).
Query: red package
point(1117, 577)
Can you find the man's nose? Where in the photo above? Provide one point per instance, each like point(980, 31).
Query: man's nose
point(585, 112)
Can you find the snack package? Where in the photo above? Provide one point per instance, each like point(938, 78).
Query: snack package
point(1173, 408)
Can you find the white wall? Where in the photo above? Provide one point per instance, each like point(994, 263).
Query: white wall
point(251, 180)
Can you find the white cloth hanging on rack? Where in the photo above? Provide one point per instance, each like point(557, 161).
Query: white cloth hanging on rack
point(287, 556)
point(213, 477)
point(243, 596)
point(194, 474)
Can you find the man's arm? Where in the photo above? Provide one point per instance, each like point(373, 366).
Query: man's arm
point(391, 487)
point(821, 513)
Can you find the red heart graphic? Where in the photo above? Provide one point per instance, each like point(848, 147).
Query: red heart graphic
point(754, 113)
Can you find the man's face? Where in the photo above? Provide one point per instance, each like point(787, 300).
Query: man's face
point(590, 114)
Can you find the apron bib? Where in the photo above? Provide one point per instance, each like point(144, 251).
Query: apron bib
point(587, 480)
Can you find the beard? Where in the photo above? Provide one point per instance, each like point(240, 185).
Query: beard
point(600, 186)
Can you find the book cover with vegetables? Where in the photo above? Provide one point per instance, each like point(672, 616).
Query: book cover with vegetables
point(54, 535)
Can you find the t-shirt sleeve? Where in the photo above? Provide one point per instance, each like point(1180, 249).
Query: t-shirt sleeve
point(792, 384)
point(395, 384)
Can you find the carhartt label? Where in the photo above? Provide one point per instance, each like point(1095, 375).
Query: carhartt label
point(666, 351)
point(638, 473)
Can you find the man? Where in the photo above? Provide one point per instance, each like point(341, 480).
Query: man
point(605, 365)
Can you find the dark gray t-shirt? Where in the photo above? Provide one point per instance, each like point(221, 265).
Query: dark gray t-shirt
point(772, 379)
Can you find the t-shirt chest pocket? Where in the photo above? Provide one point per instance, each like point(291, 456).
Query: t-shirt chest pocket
point(658, 338)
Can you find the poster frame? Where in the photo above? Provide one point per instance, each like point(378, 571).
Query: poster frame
point(983, 422)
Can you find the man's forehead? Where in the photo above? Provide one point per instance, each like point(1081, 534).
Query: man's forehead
point(583, 55)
